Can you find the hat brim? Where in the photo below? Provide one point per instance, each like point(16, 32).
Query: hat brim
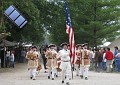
point(63, 44)
point(34, 47)
point(51, 45)
point(78, 45)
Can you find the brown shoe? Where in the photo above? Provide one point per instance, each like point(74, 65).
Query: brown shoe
point(34, 79)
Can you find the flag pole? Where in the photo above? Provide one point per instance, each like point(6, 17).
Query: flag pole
point(70, 33)
point(71, 67)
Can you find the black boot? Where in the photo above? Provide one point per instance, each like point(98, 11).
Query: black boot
point(86, 78)
point(48, 77)
point(62, 81)
point(81, 76)
point(56, 75)
point(52, 78)
point(67, 83)
point(30, 77)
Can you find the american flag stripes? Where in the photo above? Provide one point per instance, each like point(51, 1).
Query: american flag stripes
point(70, 32)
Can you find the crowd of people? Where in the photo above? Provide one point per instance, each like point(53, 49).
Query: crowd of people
point(86, 58)
point(9, 56)
point(105, 60)
point(59, 60)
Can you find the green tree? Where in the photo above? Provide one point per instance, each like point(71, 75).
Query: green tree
point(32, 32)
point(92, 20)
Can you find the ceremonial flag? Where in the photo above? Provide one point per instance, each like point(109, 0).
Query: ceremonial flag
point(70, 32)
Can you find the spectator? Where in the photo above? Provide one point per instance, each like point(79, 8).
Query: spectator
point(2, 57)
point(104, 60)
point(44, 59)
point(115, 59)
point(7, 58)
point(91, 56)
point(100, 59)
point(118, 60)
point(12, 59)
point(0, 60)
point(109, 57)
point(23, 54)
point(96, 56)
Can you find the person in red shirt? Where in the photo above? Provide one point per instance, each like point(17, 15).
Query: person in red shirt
point(109, 58)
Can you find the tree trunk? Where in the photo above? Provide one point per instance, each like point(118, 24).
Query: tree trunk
point(1, 14)
point(95, 30)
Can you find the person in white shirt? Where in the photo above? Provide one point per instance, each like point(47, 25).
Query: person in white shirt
point(104, 67)
point(12, 58)
point(91, 56)
point(7, 58)
point(65, 65)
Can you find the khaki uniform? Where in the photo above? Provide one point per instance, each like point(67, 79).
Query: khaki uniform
point(32, 56)
point(32, 63)
point(51, 61)
point(78, 61)
point(85, 63)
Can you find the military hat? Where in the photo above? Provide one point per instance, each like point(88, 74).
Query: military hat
point(52, 45)
point(34, 47)
point(68, 44)
point(64, 44)
point(85, 44)
point(78, 45)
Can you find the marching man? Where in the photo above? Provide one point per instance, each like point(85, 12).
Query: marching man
point(51, 60)
point(78, 56)
point(65, 65)
point(32, 57)
point(85, 62)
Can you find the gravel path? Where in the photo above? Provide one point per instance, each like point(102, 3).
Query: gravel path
point(20, 76)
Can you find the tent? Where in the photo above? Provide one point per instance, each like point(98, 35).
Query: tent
point(114, 43)
point(8, 43)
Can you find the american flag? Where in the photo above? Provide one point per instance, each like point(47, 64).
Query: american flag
point(70, 32)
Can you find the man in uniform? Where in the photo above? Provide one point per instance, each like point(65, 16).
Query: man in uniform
point(78, 56)
point(32, 57)
point(85, 62)
point(51, 60)
point(65, 65)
